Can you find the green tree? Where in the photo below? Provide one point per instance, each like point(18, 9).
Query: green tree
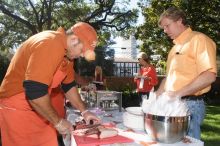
point(22, 18)
point(203, 16)
point(4, 62)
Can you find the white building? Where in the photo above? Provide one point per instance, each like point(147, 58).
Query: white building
point(126, 48)
point(126, 63)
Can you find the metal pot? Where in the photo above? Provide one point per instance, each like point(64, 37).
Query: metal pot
point(166, 129)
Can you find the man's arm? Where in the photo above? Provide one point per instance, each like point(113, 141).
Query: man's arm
point(205, 79)
point(43, 107)
point(73, 96)
point(37, 95)
point(160, 90)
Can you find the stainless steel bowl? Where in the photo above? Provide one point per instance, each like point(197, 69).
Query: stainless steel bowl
point(166, 129)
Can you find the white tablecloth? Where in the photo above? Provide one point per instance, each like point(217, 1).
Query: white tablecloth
point(137, 135)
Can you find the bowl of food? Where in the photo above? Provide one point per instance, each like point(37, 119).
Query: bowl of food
point(166, 129)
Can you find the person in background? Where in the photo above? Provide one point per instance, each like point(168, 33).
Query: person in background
point(191, 66)
point(146, 78)
point(43, 62)
point(99, 79)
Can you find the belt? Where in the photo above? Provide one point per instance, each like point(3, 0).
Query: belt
point(193, 97)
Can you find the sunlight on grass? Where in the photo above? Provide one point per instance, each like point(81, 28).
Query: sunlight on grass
point(211, 126)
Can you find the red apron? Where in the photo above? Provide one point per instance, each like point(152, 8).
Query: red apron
point(21, 126)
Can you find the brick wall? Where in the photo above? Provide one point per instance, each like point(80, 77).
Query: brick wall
point(120, 83)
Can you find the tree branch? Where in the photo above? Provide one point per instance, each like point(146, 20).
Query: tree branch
point(105, 8)
point(34, 10)
point(17, 18)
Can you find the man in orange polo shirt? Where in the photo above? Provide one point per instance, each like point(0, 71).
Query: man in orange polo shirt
point(191, 65)
point(42, 63)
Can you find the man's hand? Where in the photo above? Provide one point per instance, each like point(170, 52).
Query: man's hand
point(73, 96)
point(64, 126)
point(89, 116)
point(146, 77)
point(158, 93)
point(160, 90)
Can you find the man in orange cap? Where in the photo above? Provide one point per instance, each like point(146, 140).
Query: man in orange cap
point(43, 62)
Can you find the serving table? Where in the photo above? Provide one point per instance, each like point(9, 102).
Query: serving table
point(134, 137)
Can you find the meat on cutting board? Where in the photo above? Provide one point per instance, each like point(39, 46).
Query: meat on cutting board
point(101, 132)
point(95, 131)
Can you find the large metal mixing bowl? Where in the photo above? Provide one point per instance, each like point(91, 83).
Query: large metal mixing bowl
point(166, 129)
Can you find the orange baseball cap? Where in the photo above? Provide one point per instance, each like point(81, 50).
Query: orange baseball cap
point(86, 34)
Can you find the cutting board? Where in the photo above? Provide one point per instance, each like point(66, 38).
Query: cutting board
point(89, 141)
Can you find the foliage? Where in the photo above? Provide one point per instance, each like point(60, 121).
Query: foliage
point(4, 62)
point(25, 17)
point(161, 67)
point(22, 18)
point(203, 16)
point(85, 68)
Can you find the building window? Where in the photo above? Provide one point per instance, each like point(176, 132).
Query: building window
point(125, 69)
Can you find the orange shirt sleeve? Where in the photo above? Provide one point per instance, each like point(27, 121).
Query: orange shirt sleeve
point(45, 58)
point(206, 54)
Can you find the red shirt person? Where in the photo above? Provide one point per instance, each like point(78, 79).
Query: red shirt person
point(42, 63)
point(146, 78)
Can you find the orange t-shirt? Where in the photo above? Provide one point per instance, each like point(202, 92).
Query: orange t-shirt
point(37, 59)
point(192, 54)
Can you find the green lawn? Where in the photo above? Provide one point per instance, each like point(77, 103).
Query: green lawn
point(211, 126)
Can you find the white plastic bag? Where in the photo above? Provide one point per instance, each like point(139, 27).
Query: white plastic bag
point(163, 105)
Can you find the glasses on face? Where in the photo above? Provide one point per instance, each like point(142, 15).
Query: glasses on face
point(164, 27)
